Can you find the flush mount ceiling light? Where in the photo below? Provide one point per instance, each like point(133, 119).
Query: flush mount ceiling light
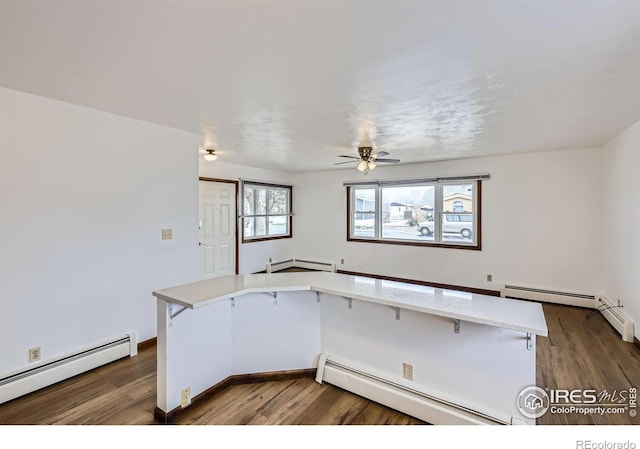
point(211, 155)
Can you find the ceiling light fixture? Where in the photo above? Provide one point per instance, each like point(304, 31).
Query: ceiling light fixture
point(366, 160)
point(211, 155)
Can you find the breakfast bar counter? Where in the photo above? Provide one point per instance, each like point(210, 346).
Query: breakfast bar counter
point(469, 354)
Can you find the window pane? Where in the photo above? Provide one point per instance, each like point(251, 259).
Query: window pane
point(458, 227)
point(365, 200)
point(255, 227)
point(364, 217)
point(255, 200)
point(278, 201)
point(407, 213)
point(278, 225)
point(364, 224)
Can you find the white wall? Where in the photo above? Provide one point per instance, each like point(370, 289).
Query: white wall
point(540, 224)
point(621, 221)
point(83, 197)
point(255, 255)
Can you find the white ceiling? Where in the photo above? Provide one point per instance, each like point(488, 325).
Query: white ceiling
point(290, 85)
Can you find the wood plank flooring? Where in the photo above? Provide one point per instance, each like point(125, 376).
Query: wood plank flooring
point(579, 353)
point(583, 353)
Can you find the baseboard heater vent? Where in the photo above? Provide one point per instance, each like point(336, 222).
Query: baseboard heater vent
point(557, 297)
point(617, 318)
point(300, 263)
point(612, 313)
point(53, 371)
point(428, 408)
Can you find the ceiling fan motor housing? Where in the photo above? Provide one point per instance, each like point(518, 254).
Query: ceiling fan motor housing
point(365, 152)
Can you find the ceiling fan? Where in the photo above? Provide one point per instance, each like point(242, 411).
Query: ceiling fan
point(367, 161)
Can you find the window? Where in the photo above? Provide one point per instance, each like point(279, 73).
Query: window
point(266, 211)
point(436, 213)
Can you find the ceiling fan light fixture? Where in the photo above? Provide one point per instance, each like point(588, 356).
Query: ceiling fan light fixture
point(211, 155)
point(371, 164)
point(362, 166)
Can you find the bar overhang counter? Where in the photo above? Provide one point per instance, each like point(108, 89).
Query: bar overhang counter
point(471, 354)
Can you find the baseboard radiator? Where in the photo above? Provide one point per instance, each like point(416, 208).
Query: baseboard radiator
point(617, 318)
point(272, 267)
point(428, 408)
point(612, 313)
point(53, 371)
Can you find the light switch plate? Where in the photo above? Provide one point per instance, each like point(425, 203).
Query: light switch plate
point(167, 234)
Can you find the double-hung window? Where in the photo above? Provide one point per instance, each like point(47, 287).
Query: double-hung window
point(266, 211)
point(432, 212)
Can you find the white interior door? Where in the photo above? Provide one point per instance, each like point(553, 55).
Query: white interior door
point(217, 229)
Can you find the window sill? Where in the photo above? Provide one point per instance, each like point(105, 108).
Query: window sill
point(262, 239)
point(474, 247)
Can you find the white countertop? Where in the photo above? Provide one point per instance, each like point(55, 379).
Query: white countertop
point(494, 311)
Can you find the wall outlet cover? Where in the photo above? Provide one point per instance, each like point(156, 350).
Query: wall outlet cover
point(185, 397)
point(407, 371)
point(35, 354)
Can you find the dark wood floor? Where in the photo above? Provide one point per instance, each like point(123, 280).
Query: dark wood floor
point(578, 354)
point(123, 392)
point(583, 353)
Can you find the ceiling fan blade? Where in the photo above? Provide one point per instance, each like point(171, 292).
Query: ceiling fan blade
point(350, 157)
point(380, 154)
point(347, 162)
point(388, 160)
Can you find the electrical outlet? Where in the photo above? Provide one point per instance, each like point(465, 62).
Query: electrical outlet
point(167, 234)
point(185, 397)
point(34, 354)
point(489, 277)
point(407, 371)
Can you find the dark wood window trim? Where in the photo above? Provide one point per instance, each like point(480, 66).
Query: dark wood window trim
point(229, 181)
point(476, 247)
point(275, 237)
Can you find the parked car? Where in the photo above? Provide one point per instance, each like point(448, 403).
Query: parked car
point(451, 224)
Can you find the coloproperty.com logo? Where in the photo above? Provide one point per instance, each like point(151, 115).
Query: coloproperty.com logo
point(533, 402)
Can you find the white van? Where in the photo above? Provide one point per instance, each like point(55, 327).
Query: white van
point(452, 223)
